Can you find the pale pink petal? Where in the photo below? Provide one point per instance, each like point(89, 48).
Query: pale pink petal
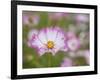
point(37, 43)
point(41, 51)
point(60, 40)
point(51, 33)
point(42, 36)
point(54, 50)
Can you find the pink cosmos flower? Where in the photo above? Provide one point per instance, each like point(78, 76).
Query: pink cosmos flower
point(48, 40)
point(72, 42)
point(66, 62)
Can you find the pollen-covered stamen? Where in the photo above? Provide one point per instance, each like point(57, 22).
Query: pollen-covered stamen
point(50, 44)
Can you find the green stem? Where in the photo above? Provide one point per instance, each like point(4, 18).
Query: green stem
point(49, 60)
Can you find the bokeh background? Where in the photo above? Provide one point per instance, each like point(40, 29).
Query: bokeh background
point(77, 23)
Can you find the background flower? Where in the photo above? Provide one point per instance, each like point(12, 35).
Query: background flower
point(30, 20)
point(32, 36)
point(82, 18)
point(72, 42)
point(67, 62)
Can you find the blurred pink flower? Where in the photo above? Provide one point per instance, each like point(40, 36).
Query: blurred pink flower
point(87, 56)
point(82, 18)
point(32, 36)
point(57, 16)
point(70, 35)
point(72, 42)
point(25, 19)
point(30, 19)
point(48, 40)
point(67, 62)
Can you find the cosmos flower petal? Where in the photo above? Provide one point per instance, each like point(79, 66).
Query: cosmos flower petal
point(42, 36)
point(51, 34)
point(54, 50)
point(41, 51)
point(60, 40)
point(37, 43)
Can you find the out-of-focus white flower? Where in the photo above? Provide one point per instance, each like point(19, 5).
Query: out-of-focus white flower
point(72, 54)
point(67, 62)
point(73, 28)
point(84, 38)
point(48, 40)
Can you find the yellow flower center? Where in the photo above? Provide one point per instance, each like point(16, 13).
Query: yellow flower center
point(50, 44)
